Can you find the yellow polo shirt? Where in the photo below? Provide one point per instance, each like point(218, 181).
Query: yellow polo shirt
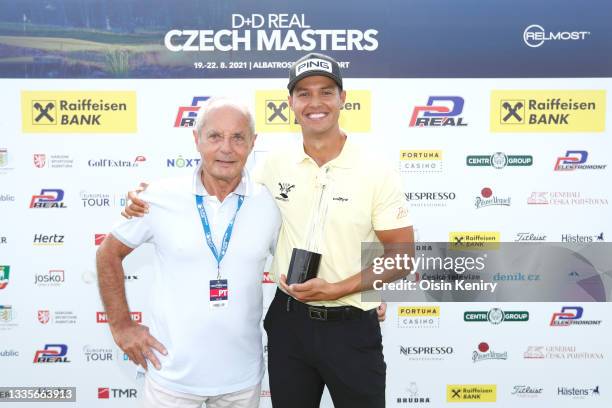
point(364, 194)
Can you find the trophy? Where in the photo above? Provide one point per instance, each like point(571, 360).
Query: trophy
point(304, 264)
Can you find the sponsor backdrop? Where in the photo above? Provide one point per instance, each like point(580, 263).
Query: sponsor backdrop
point(495, 115)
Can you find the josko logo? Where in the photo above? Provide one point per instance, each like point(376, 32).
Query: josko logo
point(439, 111)
point(187, 115)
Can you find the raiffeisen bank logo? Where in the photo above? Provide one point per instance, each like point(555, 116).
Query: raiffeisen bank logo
point(535, 35)
point(270, 32)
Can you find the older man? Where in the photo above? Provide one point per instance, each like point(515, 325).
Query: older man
point(206, 301)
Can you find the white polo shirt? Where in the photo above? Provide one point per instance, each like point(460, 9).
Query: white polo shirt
point(210, 352)
point(364, 195)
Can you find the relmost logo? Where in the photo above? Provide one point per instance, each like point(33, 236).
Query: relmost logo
point(440, 111)
point(187, 115)
point(78, 112)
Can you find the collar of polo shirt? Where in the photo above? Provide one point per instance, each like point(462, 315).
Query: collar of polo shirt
point(346, 158)
point(198, 188)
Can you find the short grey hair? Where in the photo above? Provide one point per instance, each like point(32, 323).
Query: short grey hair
point(217, 102)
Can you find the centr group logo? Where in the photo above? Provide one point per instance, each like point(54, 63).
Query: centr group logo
point(575, 160)
point(535, 35)
point(471, 393)
point(421, 161)
point(187, 115)
point(440, 111)
point(495, 316)
point(533, 111)
point(78, 111)
point(273, 114)
point(499, 160)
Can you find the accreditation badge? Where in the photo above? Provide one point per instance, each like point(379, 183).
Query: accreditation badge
point(219, 294)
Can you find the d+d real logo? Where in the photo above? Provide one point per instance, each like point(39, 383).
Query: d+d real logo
point(48, 198)
point(439, 111)
point(187, 115)
point(52, 353)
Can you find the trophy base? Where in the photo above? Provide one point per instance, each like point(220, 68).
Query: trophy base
point(304, 265)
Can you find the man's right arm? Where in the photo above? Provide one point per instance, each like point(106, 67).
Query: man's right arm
point(133, 338)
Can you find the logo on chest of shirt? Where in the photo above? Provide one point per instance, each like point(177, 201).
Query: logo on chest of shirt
point(284, 190)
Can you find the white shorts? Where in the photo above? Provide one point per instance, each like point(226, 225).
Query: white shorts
point(156, 396)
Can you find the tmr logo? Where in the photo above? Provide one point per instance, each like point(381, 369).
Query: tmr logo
point(108, 393)
point(78, 111)
point(314, 64)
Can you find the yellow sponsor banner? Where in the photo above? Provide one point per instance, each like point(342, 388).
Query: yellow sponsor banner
point(420, 311)
point(273, 114)
point(78, 111)
point(548, 111)
point(419, 155)
point(473, 240)
point(471, 393)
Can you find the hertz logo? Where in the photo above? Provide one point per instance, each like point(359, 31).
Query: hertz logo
point(78, 112)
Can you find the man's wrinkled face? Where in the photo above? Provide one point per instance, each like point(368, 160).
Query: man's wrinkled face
point(225, 142)
point(316, 102)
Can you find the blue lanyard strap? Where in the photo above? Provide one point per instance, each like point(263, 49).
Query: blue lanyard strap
point(207, 232)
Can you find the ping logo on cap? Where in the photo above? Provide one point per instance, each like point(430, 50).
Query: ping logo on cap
point(315, 64)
